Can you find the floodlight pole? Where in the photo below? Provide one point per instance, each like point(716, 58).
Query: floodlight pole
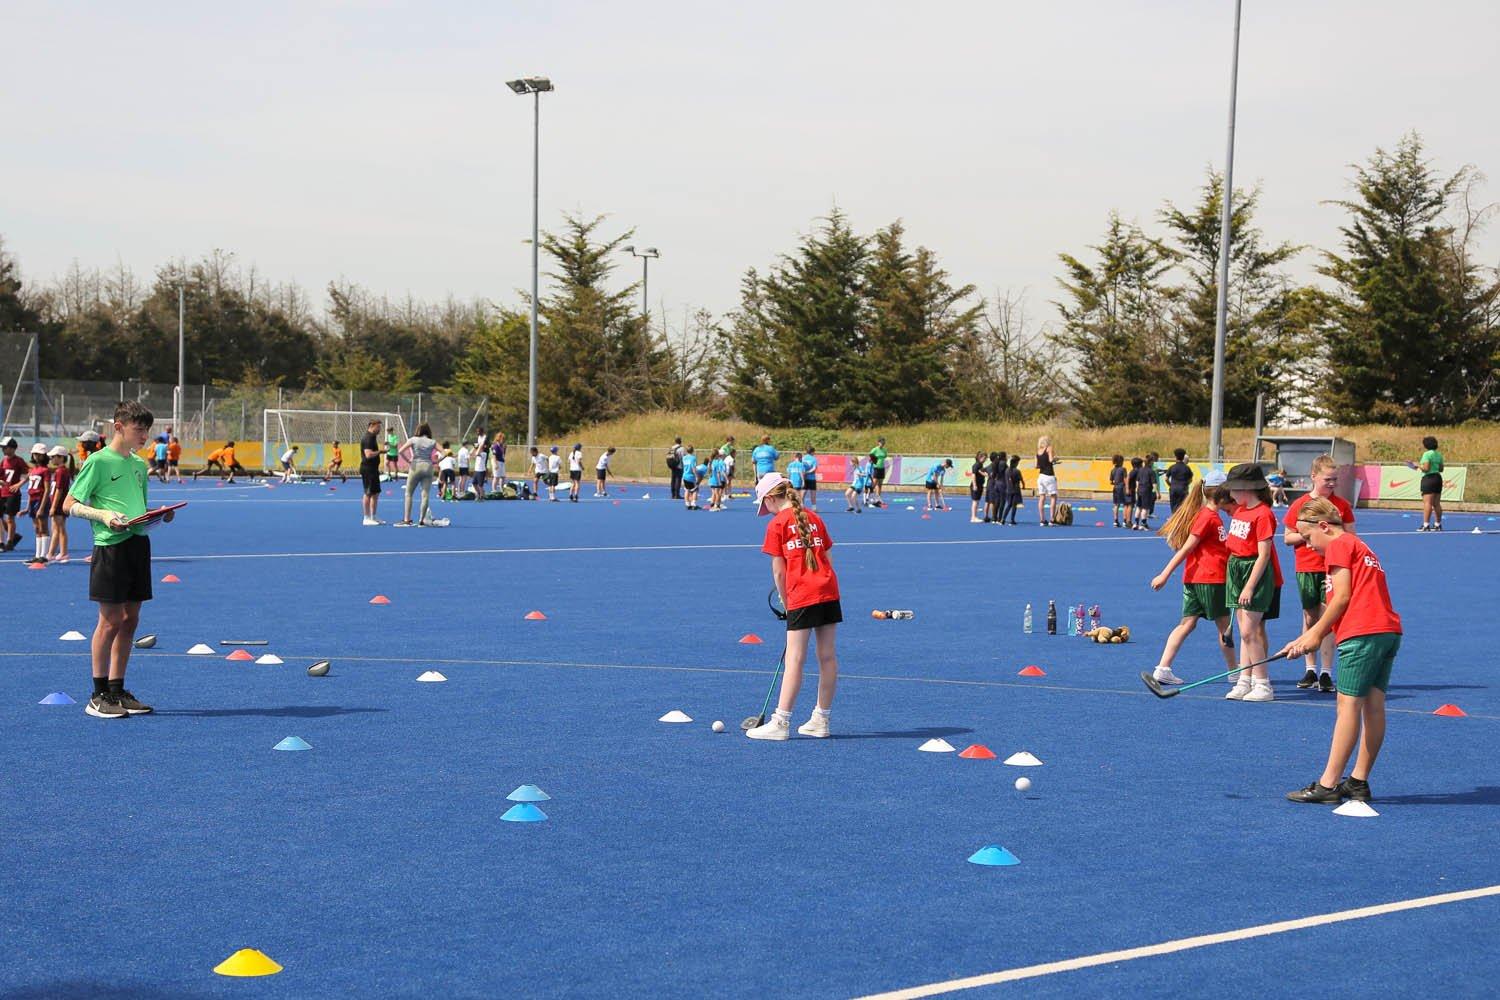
point(1221, 308)
point(177, 401)
point(647, 255)
point(535, 86)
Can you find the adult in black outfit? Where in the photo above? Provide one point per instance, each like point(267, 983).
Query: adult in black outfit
point(1179, 478)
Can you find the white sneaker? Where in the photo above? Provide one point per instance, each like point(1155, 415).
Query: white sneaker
point(1164, 675)
point(773, 730)
point(1260, 691)
point(816, 726)
point(1239, 691)
point(369, 522)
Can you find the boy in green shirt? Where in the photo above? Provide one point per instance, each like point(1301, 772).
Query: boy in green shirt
point(878, 455)
point(392, 452)
point(111, 490)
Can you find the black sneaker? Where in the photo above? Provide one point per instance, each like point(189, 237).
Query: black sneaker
point(1317, 793)
point(1325, 684)
point(105, 706)
point(132, 705)
point(1353, 788)
point(1309, 679)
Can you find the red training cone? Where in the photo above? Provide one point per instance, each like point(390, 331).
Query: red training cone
point(380, 599)
point(36, 565)
point(240, 654)
point(535, 616)
point(1032, 671)
point(171, 578)
point(1451, 711)
point(750, 639)
point(977, 751)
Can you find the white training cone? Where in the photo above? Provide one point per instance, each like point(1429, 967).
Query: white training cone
point(431, 677)
point(202, 649)
point(71, 636)
point(936, 746)
point(1022, 759)
point(1476, 531)
point(270, 660)
point(647, 496)
point(675, 716)
point(1356, 808)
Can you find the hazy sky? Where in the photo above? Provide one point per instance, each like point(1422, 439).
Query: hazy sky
point(377, 141)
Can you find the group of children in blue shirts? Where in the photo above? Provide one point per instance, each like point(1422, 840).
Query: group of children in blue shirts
point(998, 482)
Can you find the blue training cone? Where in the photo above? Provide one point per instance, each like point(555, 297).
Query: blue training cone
point(293, 743)
point(993, 855)
point(57, 698)
point(528, 793)
point(523, 812)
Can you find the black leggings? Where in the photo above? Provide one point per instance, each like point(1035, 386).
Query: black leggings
point(1011, 505)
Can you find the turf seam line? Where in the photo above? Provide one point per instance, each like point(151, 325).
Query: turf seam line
point(1181, 944)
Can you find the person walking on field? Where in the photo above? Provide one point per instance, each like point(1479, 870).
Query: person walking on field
point(1431, 467)
point(878, 456)
point(1046, 481)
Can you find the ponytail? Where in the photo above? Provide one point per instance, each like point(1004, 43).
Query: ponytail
point(804, 529)
point(1179, 526)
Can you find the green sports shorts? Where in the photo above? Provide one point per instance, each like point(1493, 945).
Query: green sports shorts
point(1204, 600)
point(1312, 588)
point(1365, 661)
point(1267, 596)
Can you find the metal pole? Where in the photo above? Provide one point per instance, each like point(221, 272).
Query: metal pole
point(1221, 311)
point(36, 387)
point(645, 300)
point(536, 191)
point(178, 403)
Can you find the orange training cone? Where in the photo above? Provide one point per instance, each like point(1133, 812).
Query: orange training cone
point(380, 599)
point(977, 751)
point(1451, 711)
point(240, 654)
point(1032, 671)
point(171, 578)
point(535, 616)
point(750, 639)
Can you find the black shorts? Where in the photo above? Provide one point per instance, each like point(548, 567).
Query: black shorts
point(1118, 496)
point(119, 574)
point(551, 479)
point(810, 483)
point(11, 506)
point(976, 493)
point(932, 484)
point(576, 475)
point(1146, 503)
point(1432, 484)
point(446, 476)
point(370, 476)
point(171, 463)
point(463, 470)
point(879, 475)
point(814, 615)
point(691, 485)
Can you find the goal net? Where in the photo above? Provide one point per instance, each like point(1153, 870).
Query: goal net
point(314, 433)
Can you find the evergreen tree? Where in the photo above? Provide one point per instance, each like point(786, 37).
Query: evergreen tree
point(1412, 344)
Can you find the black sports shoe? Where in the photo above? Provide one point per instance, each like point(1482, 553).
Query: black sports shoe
point(1317, 793)
point(1325, 683)
point(1309, 679)
point(131, 704)
point(105, 706)
point(1353, 788)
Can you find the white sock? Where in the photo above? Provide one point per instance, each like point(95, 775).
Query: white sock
point(824, 712)
point(41, 546)
point(785, 718)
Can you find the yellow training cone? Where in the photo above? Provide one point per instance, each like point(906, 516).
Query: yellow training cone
point(247, 962)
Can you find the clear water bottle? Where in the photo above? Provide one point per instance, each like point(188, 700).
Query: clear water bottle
point(1026, 621)
point(1051, 617)
point(901, 615)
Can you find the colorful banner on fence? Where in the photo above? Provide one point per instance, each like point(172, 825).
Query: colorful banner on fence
point(1397, 482)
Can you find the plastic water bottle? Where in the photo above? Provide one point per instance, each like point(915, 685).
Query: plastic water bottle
point(1094, 616)
point(1078, 614)
point(1026, 621)
point(903, 615)
point(1051, 617)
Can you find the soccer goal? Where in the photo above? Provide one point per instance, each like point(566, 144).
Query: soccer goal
point(314, 431)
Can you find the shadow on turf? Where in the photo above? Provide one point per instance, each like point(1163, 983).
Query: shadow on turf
point(286, 712)
point(1439, 687)
point(929, 732)
point(80, 990)
point(1484, 795)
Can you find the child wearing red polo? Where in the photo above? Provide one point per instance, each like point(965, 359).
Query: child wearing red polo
point(1368, 631)
point(1311, 573)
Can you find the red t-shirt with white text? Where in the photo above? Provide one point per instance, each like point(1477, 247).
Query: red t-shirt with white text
point(1205, 564)
point(1247, 529)
point(804, 587)
point(1307, 558)
point(1369, 611)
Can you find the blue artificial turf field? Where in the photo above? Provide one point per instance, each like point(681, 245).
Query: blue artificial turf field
point(139, 854)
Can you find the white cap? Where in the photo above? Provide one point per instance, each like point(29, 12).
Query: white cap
point(767, 483)
point(57, 451)
point(1215, 477)
point(39, 446)
point(8, 442)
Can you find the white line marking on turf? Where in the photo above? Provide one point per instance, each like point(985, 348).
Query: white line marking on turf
point(1182, 944)
point(139, 655)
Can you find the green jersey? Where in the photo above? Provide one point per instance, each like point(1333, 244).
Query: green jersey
point(392, 445)
point(1434, 460)
point(878, 454)
point(114, 482)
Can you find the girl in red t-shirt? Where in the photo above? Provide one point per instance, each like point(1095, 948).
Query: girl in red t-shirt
point(59, 481)
point(1368, 631)
point(1252, 577)
point(1196, 531)
point(797, 541)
